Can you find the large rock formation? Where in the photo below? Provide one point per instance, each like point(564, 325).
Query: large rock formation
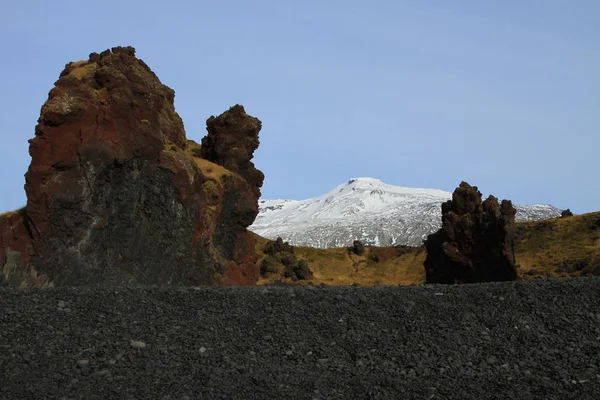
point(117, 195)
point(475, 243)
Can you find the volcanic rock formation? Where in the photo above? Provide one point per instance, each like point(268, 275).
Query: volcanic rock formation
point(231, 141)
point(117, 195)
point(475, 243)
point(566, 213)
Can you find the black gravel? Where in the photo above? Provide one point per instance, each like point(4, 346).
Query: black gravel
point(518, 340)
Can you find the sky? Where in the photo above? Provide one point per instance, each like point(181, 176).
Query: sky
point(502, 94)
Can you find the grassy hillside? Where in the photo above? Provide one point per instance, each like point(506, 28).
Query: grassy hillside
point(401, 265)
point(559, 247)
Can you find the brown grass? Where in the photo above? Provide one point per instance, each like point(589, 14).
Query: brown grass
point(83, 68)
point(559, 247)
point(211, 170)
point(340, 267)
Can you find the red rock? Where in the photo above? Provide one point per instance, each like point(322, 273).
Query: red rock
point(117, 195)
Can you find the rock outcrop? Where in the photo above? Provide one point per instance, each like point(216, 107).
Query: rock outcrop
point(566, 213)
point(231, 141)
point(475, 243)
point(116, 194)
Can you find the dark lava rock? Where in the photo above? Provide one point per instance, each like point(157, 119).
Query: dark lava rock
point(231, 141)
point(566, 213)
point(475, 243)
point(527, 340)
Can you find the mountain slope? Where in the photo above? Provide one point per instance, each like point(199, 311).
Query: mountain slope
point(365, 209)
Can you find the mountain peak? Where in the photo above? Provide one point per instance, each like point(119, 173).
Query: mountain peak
point(366, 209)
point(355, 186)
point(365, 181)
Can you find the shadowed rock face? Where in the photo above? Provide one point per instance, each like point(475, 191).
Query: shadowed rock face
point(117, 195)
point(475, 243)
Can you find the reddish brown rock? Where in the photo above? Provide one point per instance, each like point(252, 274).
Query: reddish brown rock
point(16, 252)
point(475, 243)
point(117, 195)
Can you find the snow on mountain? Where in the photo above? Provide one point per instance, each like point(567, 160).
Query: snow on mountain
point(364, 209)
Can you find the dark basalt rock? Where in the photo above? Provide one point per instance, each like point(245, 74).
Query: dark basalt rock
point(566, 213)
point(231, 141)
point(475, 243)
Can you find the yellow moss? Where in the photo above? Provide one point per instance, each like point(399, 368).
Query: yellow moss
point(83, 69)
point(213, 192)
point(79, 63)
point(209, 169)
point(210, 187)
point(210, 212)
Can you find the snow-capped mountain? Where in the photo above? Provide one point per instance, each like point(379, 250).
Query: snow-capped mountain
point(365, 209)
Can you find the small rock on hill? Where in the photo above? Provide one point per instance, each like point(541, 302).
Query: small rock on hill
point(475, 243)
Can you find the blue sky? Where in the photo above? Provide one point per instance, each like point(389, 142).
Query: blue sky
point(502, 94)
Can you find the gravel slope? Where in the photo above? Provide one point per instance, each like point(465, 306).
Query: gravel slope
point(520, 340)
